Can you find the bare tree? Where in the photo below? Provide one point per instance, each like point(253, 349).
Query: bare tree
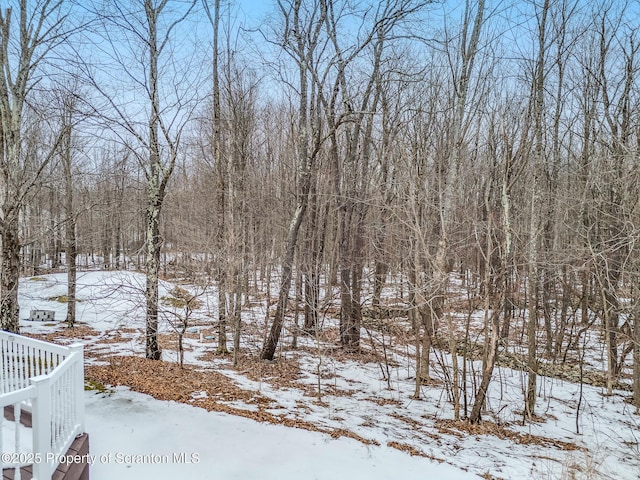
point(537, 93)
point(221, 169)
point(156, 143)
point(159, 172)
point(29, 32)
point(301, 40)
point(463, 68)
point(69, 110)
point(613, 198)
point(509, 146)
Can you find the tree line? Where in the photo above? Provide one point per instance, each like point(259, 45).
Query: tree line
point(484, 151)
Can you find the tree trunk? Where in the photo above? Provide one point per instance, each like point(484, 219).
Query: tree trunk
point(487, 372)
point(152, 266)
point(636, 346)
point(269, 348)
point(221, 191)
point(10, 274)
point(155, 192)
point(505, 304)
point(304, 50)
point(71, 242)
point(237, 317)
point(350, 292)
point(610, 324)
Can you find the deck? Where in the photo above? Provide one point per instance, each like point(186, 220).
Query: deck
point(45, 384)
point(75, 471)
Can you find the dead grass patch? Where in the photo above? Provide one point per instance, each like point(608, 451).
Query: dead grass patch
point(129, 330)
point(535, 418)
point(281, 373)
point(460, 428)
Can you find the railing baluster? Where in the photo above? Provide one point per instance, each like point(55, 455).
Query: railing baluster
point(2, 363)
point(42, 355)
point(55, 387)
point(5, 367)
point(20, 373)
point(18, 365)
point(21, 357)
point(16, 419)
point(65, 405)
point(14, 365)
point(10, 366)
point(51, 378)
point(7, 360)
point(14, 383)
point(36, 362)
point(1, 445)
point(29, 362)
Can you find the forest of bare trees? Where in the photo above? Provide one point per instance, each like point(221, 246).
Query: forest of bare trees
point(356, 159)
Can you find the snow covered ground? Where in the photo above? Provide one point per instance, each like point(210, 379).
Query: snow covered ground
point(354, 396)
point(174, 440)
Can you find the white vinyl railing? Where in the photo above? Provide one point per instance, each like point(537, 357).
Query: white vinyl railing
point(47, 380)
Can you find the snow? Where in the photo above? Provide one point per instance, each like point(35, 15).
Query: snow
point(9, 440)
point(354, 396)
point(125, 425)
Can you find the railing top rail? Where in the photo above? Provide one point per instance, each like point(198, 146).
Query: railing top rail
point(32, 342)
point(17, 396)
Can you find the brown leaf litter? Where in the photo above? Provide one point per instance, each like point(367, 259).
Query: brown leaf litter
point(413, 451)
point(167, 381)
point(460, 427)
point(65, 335)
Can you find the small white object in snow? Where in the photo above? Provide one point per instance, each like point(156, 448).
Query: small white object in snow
point(42, 315)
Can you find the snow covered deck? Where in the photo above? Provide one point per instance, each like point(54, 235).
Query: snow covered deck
point(42, 397)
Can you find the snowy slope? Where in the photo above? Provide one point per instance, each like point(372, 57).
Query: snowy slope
point(127, 424)
point(355, 397)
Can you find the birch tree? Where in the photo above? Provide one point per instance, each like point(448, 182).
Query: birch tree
point(159, 171)
point(150, 27)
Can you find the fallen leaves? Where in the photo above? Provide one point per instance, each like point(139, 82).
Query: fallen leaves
point(167, 381)
point(65, 335)
point(414, 452)
point(458, 428)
